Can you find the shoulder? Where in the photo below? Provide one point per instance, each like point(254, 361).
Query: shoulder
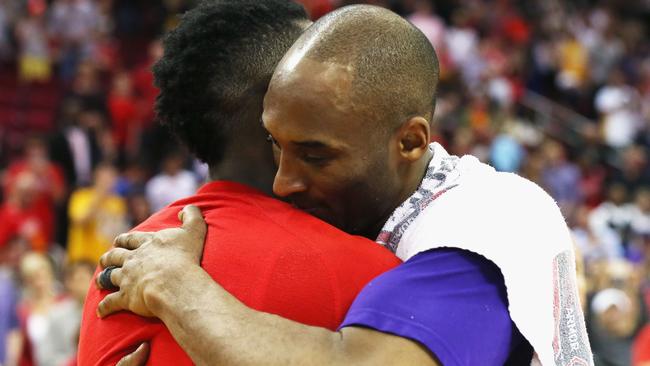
point(442, 269)
point(505, 198)
point(520, 190)
point(450, 300)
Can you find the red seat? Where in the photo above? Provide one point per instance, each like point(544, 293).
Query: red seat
point(47, 98)
point(39, 120)
point(8, 96)
point(7, 115)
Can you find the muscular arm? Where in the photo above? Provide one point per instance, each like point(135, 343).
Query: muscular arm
point(215, 328)
point(446, 302)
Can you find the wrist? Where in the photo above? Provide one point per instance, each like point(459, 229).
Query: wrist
point(161, 289)
point(168, 291)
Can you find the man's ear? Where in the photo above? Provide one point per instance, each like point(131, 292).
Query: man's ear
point(414, 137)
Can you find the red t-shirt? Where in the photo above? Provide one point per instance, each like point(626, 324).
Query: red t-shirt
point(269, 255)
point(641, 347)
point(27, 222)
point(124, 116)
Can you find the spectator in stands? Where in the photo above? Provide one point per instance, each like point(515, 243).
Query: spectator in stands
point(573, 67)
point(73, 24)
point(9, 295)
point(640, 222)
point(49, 180)
point(75, 145)
point(34, 60)
point(125, 116)
point(5, 30)
point(506, 153)
point(143, 86)
point(639, 226)
point(617, 104)
point(561, 177)
point(21, 217)
point(633, 170)
point(616, 315)
point(433, 27)
point(610, 221)
point(97, 215)
point(139, 208)
point(87, 88)
point(590, 246)
point(51, 183)
point(77, 278)
point(593, 174)
point(133, 179)
point(171, 184)
point(462, 43)
point(48, 319)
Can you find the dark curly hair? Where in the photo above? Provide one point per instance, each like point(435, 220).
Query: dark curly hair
point(222, 53)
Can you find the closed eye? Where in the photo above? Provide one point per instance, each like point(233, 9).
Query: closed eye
point(316, 159)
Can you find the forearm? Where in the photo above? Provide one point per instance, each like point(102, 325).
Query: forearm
point(215, 328)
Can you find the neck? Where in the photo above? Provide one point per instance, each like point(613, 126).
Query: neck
point(251, 170)
point(412, 183)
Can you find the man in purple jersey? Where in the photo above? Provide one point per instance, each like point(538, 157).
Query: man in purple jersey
point(371, 78)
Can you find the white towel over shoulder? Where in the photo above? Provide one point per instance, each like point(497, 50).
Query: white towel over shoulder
point(511, 221)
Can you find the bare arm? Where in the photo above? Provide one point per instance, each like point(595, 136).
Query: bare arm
point(213, 327)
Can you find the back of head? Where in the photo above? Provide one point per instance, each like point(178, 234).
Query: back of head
point(394, 66)
point(216, 67)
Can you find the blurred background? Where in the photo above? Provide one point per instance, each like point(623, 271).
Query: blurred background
point(556, 91)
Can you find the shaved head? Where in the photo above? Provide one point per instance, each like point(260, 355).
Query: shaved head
point(349, 112)
point(392, 67)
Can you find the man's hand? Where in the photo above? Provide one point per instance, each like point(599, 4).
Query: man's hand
point(148, 263)
point(137, 358)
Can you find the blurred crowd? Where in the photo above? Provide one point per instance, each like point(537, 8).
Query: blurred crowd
point(558, 92)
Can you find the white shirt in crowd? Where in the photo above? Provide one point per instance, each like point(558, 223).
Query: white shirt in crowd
point(164, 189)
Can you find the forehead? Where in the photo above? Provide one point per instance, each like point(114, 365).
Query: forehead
point(312, 99)
point(327, 83)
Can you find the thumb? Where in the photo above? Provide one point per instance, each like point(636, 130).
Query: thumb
point(193, 221)
point(137, 358)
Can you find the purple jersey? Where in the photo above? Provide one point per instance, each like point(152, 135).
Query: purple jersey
point(451, 301)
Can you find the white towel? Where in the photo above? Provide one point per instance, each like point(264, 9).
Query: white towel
point(463, 203)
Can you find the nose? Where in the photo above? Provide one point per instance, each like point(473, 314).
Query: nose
point(288, 179)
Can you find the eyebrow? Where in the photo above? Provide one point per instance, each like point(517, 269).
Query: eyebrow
point(311, 144)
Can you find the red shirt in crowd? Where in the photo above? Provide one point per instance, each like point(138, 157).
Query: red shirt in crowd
point(124, 117)
point(641, 348)
point(27, 223)
point(143, 83)
point(35, 221)
point(269, 255)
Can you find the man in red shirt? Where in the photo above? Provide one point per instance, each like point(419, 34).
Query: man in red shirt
point(271, 256)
